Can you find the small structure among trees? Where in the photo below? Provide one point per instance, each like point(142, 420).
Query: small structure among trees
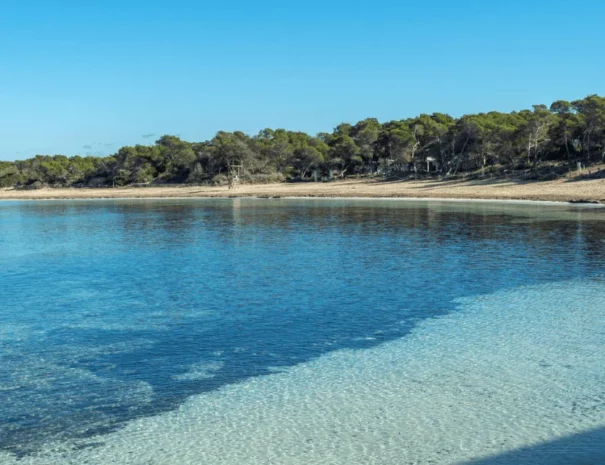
point(235, 172)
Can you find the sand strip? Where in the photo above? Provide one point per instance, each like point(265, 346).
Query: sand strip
point(554, 191)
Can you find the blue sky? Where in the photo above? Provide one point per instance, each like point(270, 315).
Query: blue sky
point(89, 77)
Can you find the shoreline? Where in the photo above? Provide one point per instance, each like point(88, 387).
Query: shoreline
point(573, 192)
point(552, 203)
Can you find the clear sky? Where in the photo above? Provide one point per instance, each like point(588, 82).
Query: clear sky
point(79, 77)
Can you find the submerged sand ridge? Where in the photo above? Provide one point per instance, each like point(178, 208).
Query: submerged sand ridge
point(592, 190)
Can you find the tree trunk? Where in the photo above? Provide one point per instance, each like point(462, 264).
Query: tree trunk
point(460, 155)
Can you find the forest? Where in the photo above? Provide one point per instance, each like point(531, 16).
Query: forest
point(541, 143)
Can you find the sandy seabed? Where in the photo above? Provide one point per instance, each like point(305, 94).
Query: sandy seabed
point(515, 377)
point(568, 190)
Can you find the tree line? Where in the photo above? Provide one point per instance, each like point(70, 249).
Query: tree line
point(558, 137)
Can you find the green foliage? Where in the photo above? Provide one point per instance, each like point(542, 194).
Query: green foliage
point(566, 132)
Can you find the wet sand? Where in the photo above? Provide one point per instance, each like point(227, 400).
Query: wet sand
point(568, 190)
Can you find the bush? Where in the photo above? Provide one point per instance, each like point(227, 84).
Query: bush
point(98, 181)
point(196, 175)
point(549, 177)
point(263, 178)
point(33, 186)
point(220, 180)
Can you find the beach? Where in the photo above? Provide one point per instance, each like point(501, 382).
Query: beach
point(562, 190)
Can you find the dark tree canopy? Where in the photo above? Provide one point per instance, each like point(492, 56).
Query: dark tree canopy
point(564, 134)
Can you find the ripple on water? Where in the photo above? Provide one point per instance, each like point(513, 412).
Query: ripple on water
point(514, 369)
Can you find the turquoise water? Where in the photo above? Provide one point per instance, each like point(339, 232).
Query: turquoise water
point(301, 331)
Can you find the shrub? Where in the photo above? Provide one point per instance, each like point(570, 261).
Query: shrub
point(263, 178)
point(220, 180)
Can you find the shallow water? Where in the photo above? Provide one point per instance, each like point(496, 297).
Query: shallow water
point(301, 331)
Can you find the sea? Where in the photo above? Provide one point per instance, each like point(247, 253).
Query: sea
point(301, 331)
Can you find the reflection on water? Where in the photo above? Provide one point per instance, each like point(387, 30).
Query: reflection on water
point(115, 310)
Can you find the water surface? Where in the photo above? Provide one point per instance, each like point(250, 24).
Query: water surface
point(118, 313)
